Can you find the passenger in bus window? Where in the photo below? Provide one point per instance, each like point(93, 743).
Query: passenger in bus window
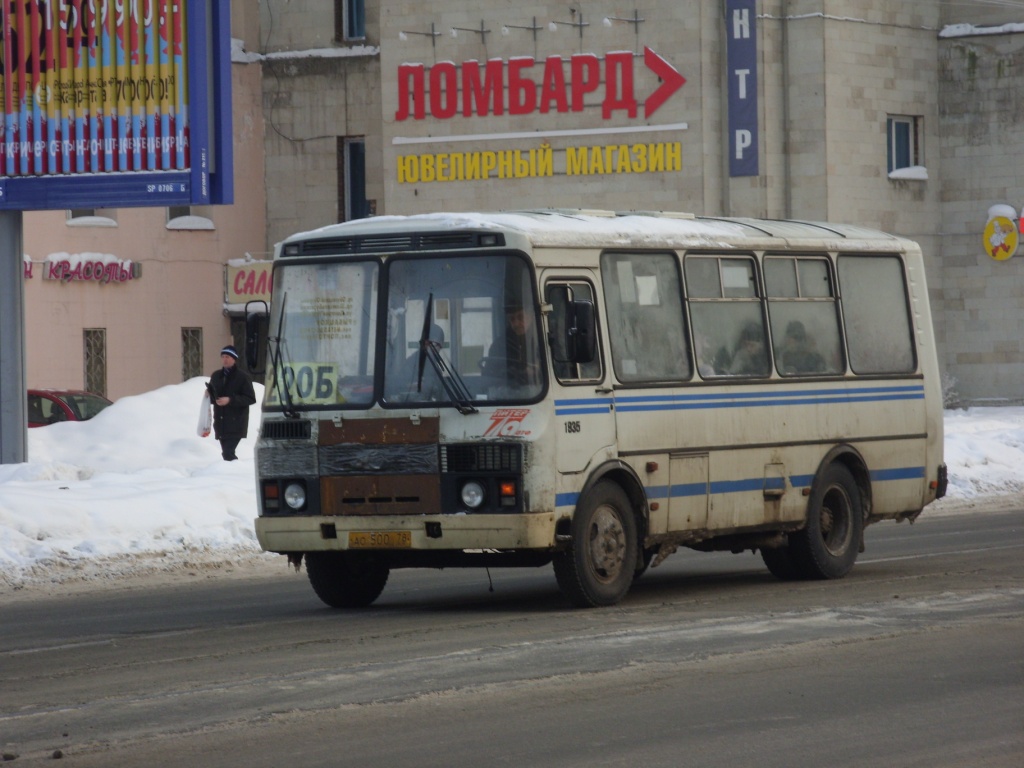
point(797, 352)
point(750, 358)
point(710, 361)
point(517, 347)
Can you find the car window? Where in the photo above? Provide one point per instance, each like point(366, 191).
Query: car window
point(84, 406)
point(53, 412)
point(35, 410)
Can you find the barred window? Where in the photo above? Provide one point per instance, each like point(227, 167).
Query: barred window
point(191, 353)
point(94, 343)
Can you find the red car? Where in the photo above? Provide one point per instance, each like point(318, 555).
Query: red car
point(49, 406)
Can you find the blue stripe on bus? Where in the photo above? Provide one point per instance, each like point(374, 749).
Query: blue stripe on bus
point(566, 499)
point(640, 403)
point(761, 403)
point(801, 481)
point(684, 490)
point(900, 473)
point(582, 406)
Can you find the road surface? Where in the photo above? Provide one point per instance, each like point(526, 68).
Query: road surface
point(915, 659)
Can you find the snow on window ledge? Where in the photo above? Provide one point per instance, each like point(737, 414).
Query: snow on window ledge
point(190, 222)
point(914, 172)
point(91, 221)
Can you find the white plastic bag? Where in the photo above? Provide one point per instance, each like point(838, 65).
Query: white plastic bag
point(205, 417)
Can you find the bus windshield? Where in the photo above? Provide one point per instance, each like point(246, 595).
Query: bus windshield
point(461, 327)
point(323, 335)
point(457, 331)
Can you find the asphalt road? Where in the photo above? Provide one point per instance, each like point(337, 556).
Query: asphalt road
point(915, 659)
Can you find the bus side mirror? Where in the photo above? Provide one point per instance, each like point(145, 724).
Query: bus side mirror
point(581, 334)
point(253, 321)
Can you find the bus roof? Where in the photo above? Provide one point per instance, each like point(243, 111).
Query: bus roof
point(591, 228)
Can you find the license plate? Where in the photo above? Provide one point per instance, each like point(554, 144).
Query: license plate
point(379, 539)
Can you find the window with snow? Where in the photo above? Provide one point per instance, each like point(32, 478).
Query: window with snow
point(904, 144)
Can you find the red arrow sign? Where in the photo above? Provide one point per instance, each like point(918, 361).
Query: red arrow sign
point(671, 81)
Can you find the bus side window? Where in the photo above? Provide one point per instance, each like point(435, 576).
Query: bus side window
point(804, 315)
point(643, 298)
point(557, 321)
point(878, 327)
point(725, 310)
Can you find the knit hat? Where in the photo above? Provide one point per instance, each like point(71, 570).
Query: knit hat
point(230, 350)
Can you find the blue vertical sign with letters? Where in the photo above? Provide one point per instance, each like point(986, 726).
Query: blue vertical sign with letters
point(741, 61)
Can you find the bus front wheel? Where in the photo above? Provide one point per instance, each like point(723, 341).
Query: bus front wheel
point(343, 580)
point(828, 545)
point(597, 567)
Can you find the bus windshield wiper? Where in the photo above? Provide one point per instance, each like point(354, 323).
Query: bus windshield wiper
point(452, 382)
point(277, 365)
point(450, 379)
point(424, 338)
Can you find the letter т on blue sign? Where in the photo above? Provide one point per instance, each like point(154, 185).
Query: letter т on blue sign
point(115, 105)
point(741, 61)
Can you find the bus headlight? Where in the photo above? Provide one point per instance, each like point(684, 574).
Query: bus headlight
point(472, 494)
point(295, 495)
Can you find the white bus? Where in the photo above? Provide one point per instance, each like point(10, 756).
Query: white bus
point(592, 390)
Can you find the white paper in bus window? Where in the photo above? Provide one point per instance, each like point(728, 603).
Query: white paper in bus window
point(736, 277)
point(414, 309)
point(627, 286)
point(647, 291)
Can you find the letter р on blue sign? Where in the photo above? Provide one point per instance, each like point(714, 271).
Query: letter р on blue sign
point(741, 61)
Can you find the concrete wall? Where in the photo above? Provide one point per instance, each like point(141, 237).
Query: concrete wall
point(981, 95)
point(315, 91)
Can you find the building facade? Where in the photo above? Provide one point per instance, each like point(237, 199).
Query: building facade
point(900, 115)
point(903, 116)
point(123, 301)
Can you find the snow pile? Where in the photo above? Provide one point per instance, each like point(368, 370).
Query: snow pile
point(136, 491)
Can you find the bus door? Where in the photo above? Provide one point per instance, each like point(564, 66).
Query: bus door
point(585, 427)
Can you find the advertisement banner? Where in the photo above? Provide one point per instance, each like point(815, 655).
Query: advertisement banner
point(93, 86)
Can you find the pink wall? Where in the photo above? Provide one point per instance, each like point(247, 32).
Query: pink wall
point(181, 282)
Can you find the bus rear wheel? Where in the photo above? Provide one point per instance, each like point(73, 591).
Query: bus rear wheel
point(597, 567)
point(827, 547)
point(343, 580)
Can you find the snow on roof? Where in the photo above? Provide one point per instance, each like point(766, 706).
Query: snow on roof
point(581, 228)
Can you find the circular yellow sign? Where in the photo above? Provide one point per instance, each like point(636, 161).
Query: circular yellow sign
point(1000, 238)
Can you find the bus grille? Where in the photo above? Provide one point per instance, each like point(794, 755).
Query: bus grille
point(286, 429)
point(341, 246)
point(485, 457)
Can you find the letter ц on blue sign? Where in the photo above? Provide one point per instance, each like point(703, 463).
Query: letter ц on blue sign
point(741, 60)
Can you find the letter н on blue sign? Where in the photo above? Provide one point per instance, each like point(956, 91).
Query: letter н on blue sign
point(741, 61)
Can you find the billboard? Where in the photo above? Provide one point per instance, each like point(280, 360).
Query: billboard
point(114, 103)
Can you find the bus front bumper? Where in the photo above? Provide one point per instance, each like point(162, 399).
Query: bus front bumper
point(419, 533)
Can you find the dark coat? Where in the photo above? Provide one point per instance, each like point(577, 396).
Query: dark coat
point(232, 420)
